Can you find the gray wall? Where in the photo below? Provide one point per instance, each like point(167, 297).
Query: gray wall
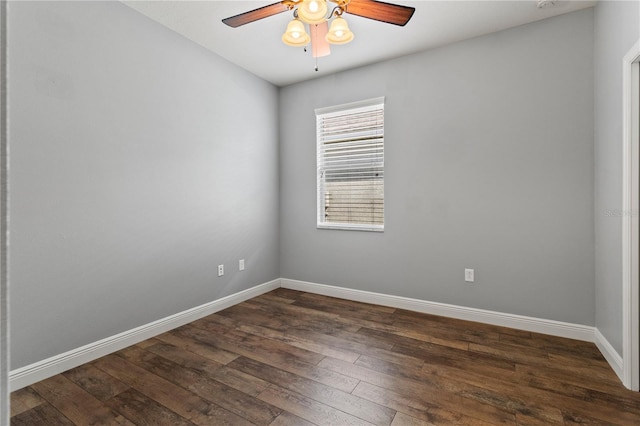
point(617, 28)
point(489, 165)
point(139, 161)
point(142, 174)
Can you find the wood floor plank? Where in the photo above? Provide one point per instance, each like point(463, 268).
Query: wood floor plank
point(146, 343)
point(181, 337)
point(286, 362)
point(308, 409)
point(95, 381)
point(42, 414)
point(571, 419)
point(75, 403)
point(355, 312)
point(300, 342)
point(424, 328)
point(594, 379)
point(288, 419)
point(272, 298)
point(506, 352)
point(235, 401)
point(219, 372)
point(630, 402)
point(554, 344)
point(349, 305)
point(238, 380)
point(426, 390)
point(530, 401)
point(223, 320)
point(389, 334)
point(296, 310)
point(293, 358)
point(427, 336)
point(402, 419)
point(246, 313)
point(359, 373)
point(562, 376)
point(557, 357)
point(292, 311)
point(330, 396)
point(288, 293)
point(594, 409)
point(429, 407)
point(458, 334)
point(313, 372)
point(23, 400)
point(461, 327)
point(176, 398)
point(477, 391)
point(243, 343)
point(284, 316)
point(522, 408)
point(321, 375)
point(144, 411)
point(369, 340)
point(439, 359)
point(184, 358)
point(343, 342)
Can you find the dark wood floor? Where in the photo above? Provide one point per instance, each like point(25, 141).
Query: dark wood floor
point(293, 358)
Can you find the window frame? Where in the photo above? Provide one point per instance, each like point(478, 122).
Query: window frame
point(373, 103)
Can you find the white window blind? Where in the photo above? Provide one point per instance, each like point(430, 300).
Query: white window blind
point(350, 149)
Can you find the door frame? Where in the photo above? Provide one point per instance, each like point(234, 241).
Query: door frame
point(630, 219)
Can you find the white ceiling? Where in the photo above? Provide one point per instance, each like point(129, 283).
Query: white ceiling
point(257, 46)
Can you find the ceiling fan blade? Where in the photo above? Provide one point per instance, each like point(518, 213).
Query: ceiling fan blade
point(381, 11)
point(319, 46)
point(256, 14)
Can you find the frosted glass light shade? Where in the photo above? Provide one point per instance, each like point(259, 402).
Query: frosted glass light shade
point(313, 11)
point(339, 32)
point(295, 35)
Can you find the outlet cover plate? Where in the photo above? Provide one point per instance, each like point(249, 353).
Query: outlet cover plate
point(469, 275)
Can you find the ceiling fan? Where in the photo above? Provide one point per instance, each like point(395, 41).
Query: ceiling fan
point(317, 13)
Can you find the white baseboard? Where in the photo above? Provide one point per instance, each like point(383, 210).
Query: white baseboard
point(610, 354)
point(537, 325)
point(41, 370)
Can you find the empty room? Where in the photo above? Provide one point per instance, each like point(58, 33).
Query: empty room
point(320, 212)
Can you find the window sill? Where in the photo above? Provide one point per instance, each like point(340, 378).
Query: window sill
point(351, 227)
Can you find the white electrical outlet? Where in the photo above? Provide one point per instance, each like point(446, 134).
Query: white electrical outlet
point(241, 265)
point(220, 270)
point(469, 275)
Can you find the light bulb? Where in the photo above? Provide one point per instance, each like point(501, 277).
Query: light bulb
point(339, 32)
point(312, 11)
point(295, 35)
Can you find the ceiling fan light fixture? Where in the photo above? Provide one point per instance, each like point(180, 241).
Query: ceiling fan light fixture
point(295, 34)
point(316, 14)
point(339, 32)
point(313, 11)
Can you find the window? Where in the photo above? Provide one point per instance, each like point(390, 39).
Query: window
point(350, 149)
